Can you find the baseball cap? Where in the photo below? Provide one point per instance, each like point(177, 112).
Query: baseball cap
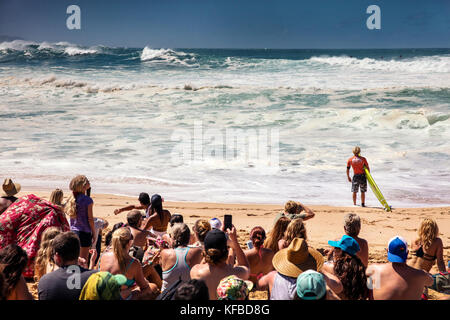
point(233, 288)
point(397, 249)
point(311, 285)
point(215, 223)
point(215, 239)
point(347, 244)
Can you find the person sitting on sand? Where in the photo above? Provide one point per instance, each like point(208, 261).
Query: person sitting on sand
point(134, 219)
point(295, 229)
point(348, 268)
point(428, 248)
point(359, 180)
point(65, 252)
point(14, 260)
point(259, 258)
point(396, 280)
point(352, 227)
point(216, 255)
point(120, 262)
point(293, 210)
point(201, 229)
point(144, 204)
point(289, 263)
point(159, 218)
point(174, 219)
point(79, 208)
point(44, 258)
point(177, 262)
point(276, 234)
point(7, 196)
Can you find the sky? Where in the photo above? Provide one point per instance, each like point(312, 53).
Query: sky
point(232, 23)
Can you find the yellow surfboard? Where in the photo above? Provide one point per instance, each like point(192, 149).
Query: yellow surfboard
point(376, 190)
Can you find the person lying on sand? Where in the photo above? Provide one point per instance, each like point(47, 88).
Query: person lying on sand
point(216, 255)
point(396, 280)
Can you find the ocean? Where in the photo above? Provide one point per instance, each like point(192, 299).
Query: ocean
point(127, 119)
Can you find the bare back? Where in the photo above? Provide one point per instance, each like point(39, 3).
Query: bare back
point(363, 253)
point(212, 274)
point(397, 281)
point(430, 255)
point(260, 261)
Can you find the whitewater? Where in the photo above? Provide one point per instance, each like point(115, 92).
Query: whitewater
point(114, 114)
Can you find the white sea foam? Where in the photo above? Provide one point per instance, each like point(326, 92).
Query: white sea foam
point(74, 51)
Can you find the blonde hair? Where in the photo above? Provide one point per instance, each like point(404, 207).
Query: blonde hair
point(291, 207)
point(57, 196)
point(356, 150)
point(201, 229)
point(276, 234)
point(428, 231)
point(44, 254)
point(295, 229)
point(77, 185)
point(120, 239)
point(352, 224)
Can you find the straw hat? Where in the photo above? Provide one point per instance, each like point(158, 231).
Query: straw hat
point(10, 188)
point(296, 258)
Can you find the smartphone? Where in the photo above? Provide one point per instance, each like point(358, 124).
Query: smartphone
point(250, 244)
point(227, 222)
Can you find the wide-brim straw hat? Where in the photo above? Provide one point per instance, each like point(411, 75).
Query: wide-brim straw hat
point(296, 258)
point(10, 188)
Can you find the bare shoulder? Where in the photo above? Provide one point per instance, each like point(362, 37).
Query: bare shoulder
point(199, 271)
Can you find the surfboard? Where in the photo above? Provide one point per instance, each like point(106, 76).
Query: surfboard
point(376, 190)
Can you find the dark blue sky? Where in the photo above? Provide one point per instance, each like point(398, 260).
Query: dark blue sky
point(232, 23)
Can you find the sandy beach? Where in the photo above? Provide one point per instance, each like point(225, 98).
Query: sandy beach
point(377, 228)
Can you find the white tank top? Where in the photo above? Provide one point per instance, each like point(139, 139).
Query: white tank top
point(284, 288)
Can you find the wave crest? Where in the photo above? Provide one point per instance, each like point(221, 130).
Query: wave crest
point(167, 56)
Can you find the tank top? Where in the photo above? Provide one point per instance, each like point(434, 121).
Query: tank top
point(284, 288)
point(179, 269)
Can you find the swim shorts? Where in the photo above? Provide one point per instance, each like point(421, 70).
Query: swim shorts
point(359, 181)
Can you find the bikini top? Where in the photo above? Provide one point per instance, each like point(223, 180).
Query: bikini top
point(421, 254)
point(130, 282)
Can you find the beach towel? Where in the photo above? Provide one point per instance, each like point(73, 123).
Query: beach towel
point(24, 222)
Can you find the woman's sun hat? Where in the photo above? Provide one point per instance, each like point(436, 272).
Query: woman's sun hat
point(297, 258)
point(347, 244)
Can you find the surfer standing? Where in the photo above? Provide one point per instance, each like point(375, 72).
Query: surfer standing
point(359, 180)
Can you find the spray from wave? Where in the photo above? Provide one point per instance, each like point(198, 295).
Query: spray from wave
point(167, 56)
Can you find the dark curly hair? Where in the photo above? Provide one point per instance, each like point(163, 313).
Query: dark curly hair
point(193, 290)
point(352, 273)
point(108, 236)
point(14, 260)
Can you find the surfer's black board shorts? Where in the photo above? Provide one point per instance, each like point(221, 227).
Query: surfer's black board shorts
point(359, 181)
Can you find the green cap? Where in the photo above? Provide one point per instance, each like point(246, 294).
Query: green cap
point(311, 285)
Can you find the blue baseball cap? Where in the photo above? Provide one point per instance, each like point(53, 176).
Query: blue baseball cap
point(347, 244)
point(398, 250)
